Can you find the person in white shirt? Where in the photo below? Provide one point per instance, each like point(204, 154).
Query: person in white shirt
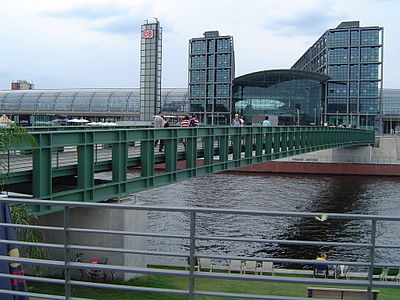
point(266, 122)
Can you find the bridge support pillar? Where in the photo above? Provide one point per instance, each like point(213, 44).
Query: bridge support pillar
point(103, 219)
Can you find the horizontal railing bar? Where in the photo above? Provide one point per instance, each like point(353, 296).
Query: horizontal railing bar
point(131, 233)
point(33, 278)
point(54, 228)
point(44, 262)
point(206, 210)
point(32, 244)
point(287, 242)
point(129, 288)
point(245, 296)
point(42, 296)
point(126, 251)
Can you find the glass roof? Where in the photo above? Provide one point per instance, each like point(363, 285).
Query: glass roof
point(82, 100)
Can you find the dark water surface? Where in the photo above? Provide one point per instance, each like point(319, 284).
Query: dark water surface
point(295, 193)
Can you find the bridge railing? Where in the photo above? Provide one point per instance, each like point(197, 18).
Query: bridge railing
point(189, 241)
point(75, 156)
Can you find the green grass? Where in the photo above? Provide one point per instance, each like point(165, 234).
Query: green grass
point(203, 284)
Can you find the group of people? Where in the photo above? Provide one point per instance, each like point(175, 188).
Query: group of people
point(238, 121)
point(161, 122)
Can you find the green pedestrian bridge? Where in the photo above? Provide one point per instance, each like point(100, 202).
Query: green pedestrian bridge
point(97, 164)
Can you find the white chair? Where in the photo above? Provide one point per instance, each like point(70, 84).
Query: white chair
point(342, 271)
point(205, 263)
point(266, 267)
point(235, 266)
point(250, 267)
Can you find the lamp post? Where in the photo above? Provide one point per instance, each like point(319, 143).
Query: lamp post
point(315, 116)
point(298, 117)
point(337, 118)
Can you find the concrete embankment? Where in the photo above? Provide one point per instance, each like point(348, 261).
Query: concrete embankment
point(382, 159)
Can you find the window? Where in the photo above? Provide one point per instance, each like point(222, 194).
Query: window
point(337, 105)
point(355, 55)
point(338, 38)
point(223, 75)
point(197, 76)
point(197, 105)
point(354, 38)
point(353, 88)
point(337, 89)
point(198, 61)
point(223, 60)
point(222, 90)
point(369, 105)
point(197, 90)
point(370, 37)
point(338, 72)
point(354, 72)
point(370, 54)
point(369, 72)
point(353, 105)
point(223, 45)
point(198, 46)
point(338, 55)
point(368, 88)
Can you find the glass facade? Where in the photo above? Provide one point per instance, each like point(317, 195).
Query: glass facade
point(352, 57)
point(150, 70)
point(290, 97)
point(211, 71)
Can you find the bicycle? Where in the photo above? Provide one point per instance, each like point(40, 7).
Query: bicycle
point(94, 275)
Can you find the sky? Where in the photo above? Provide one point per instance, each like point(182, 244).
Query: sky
point(95, 43)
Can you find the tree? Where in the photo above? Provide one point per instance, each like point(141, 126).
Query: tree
point(14, 137)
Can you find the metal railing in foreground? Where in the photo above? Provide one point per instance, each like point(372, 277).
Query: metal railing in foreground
point(192, 239)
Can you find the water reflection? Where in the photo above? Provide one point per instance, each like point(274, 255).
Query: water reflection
point(339, 194)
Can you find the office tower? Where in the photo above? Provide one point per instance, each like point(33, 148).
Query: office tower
point(150, 70)
point(211, 72)
point(352, 56)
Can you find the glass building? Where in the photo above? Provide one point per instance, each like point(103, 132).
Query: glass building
point(150, 70)
point(289, 97)
point(211, 71)
point(352, 57)
point(108, 104)
point(391, 111)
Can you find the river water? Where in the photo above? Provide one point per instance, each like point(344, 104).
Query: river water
point(294, 193)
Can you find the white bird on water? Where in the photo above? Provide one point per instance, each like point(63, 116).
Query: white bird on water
point(322, 218)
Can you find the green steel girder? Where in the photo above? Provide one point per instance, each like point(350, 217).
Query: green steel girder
point(220, 148)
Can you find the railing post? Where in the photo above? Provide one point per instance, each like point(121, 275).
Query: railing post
point(371, 259)
point(192, 253)
point(67, 242)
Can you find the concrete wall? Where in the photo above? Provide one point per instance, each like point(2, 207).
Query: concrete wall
point(386, 151)
point(100, 218)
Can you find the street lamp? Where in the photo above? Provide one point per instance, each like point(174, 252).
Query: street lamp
point(337, 118)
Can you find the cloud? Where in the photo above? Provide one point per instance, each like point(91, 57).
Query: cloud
point(125, 25)
point(307, 23)
point(87, 12)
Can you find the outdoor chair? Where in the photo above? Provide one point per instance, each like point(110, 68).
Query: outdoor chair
point(235, 266)
point(320, 271)
point(250, 267)
point(341, 271)
point(205, 264)
point(380, 272)
point(266, 267)
point(391, 274)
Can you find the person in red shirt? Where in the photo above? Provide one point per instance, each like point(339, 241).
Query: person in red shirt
point(185, 122)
